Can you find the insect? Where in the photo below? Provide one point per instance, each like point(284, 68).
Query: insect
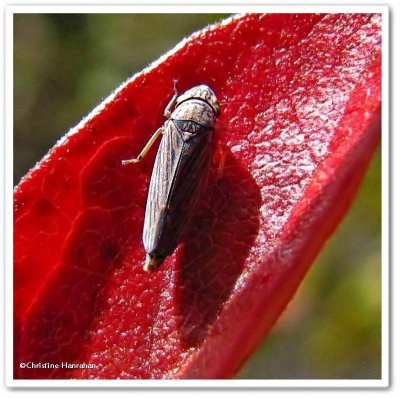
point(179, 171)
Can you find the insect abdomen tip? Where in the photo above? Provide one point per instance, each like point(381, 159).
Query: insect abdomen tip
point(152, 263)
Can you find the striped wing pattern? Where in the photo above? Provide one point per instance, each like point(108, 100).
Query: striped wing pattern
point(178, 175)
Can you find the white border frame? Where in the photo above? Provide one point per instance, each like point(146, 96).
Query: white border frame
point(207, 7)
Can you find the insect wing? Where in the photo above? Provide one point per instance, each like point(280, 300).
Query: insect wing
point(178, 175)
point(164, 169)
point(189, 179)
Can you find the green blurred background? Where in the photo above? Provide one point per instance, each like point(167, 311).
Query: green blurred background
point(65, 64)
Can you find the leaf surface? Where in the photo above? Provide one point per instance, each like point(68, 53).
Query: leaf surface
point(300, 98)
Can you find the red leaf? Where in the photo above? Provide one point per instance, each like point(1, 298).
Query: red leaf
point(300, 100)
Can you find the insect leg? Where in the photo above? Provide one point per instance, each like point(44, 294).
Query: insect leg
point(146, 148)
point(221, 164)
point(171, 103)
